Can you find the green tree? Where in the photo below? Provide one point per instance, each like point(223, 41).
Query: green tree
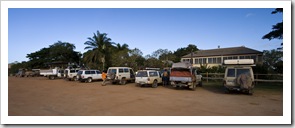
point(98, 54)
point(58, 52)
point(184, 51)
point(277, 29)
point(272, 60)
point(120, 55)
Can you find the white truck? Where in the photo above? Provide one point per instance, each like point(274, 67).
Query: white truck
point(183, 75)
point(50, 73)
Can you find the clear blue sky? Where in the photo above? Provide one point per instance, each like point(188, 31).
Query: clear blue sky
point(146, 29)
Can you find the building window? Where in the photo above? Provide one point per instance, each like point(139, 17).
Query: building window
point(210, 60)
point(219, 60)
point(196, 61)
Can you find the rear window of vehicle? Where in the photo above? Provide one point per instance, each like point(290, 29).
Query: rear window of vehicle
point(243, 71)
point(141, 74)
point(231, 73)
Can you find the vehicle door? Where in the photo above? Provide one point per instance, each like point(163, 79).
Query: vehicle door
point(159, 77)
point(98, 75)
point(230, 76)
point(153, 75)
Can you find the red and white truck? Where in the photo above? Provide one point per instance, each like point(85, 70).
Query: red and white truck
point(184, 75)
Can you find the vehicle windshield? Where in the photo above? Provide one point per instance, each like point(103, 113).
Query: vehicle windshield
point(80, 72)
point(141, 74)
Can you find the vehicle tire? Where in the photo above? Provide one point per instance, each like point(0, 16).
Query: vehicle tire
point(89, 80)
point(226, 90)
point(250, 91)
point(75, 78)
point(123, 81)
point(201, 84)
point(194, 87)
point(51, 77)
point(155, 84)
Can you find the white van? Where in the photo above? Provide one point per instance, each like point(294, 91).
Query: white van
point(71, 74)
point(120, 75)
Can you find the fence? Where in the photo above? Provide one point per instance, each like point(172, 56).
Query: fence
point(257, 77)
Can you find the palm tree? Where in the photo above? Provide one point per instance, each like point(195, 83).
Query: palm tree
point(97, 47)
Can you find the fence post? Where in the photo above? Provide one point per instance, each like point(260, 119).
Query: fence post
point(207, 77)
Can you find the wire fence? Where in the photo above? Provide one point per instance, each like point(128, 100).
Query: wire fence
point(257, 77)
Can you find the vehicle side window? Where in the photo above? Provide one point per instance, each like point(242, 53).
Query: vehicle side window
point(92, 72)
point(112, 71)
point(98, 72)
point(87, 72)
point(152, 74)
point(231, 73)
point(126, 70)
point(72, 71)
point(121, 70)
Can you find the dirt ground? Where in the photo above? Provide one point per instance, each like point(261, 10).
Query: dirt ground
point(38, 96)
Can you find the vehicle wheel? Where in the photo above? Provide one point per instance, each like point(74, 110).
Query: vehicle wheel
point(155, 84)
point(194, 87)
point(226, 90)
point(51, 77)
point(200, 84)
point(123, 81)
point(250, 91)
point(75, 78)
point(89, 80)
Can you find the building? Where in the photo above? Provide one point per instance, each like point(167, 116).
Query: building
point(215, 57)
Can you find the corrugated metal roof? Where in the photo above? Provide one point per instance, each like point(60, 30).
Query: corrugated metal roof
point(223, 52)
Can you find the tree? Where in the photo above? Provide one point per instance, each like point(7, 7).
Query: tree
point(99, 51)
point(120, 55)
point(58, 52)
point(273, 60)
point(277, 30)
point(184, 51)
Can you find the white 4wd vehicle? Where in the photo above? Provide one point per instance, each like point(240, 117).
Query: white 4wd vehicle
point(71, 74)
point(89, 75)
point(120, 75)
point(239, 76)
point(148, 77)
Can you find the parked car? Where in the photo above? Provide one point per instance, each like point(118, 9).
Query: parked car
point(239, 76)
point(71, 74)
point(148, 77)
point(120, 75)
point(89, 75)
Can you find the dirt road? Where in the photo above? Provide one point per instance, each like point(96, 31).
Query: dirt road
point(38, 96)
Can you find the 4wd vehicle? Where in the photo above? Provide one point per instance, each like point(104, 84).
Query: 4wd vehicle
point(239, 76)
point(71, 74)
point(183, 75)
point(120, 75)
point(148, 77)
point(89, 75)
